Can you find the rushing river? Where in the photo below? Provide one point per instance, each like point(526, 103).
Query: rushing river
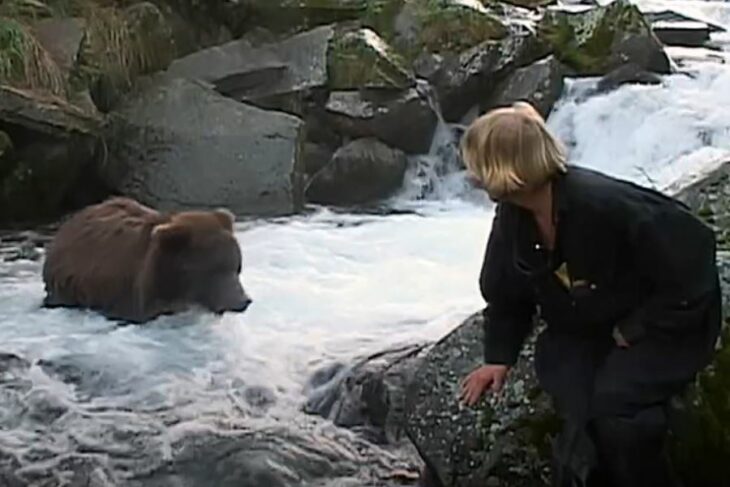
point(171, 403)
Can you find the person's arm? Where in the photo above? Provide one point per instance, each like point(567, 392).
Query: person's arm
point(510, 305)
point(674, 252)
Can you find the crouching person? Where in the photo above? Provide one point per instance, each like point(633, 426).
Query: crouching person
point(624, 278)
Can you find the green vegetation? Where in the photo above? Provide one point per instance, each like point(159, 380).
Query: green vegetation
point(360, 58)
point(447, 26)
point(584, 40)
point(24, 63)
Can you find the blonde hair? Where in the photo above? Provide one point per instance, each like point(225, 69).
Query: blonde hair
point(510, 149)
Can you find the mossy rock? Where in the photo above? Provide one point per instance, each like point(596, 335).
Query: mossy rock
point(24, 63)
point(360, 58)
point(291, 16)
point(441, 26)
point(597, 40)
point(119, 46)
point(701, 443)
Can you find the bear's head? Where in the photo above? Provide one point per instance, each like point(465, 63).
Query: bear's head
point(197, 261)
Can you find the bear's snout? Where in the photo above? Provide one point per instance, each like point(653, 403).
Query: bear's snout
point(241, 307)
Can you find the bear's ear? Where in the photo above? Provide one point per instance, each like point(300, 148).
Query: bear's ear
point(171, 235)
point(225, 217)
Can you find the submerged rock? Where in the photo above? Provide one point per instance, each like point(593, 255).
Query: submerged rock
point(368, 397)
point(360, 172)
point(627, 74)
point(179, 144)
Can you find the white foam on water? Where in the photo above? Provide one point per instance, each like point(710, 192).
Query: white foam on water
point(650, 134)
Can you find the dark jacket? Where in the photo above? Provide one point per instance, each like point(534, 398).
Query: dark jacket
point(636, 258)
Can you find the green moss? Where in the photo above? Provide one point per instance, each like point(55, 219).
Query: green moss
point(291, 16)
point(23, 61)
point(447, 26)
point(584, 40)
point(360, 58)
point(701, 447)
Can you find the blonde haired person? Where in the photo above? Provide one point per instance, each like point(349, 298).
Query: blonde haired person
point(625, 280)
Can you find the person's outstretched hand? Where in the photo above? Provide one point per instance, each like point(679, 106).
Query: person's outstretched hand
point(486, 377)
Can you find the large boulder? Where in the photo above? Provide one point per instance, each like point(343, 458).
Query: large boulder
point(502, 442)
point(402, 119)
point(596, 40)
point(324, 57)
point(360, 58)
point(179, 144)
point(360, 172)
point(465, 80)
point(443, 26)
point(245, 72)
point(540, 83)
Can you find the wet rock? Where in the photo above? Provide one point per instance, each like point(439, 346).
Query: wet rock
point(595, 41)
point(540, 83)
point(688, 34)
point(363, 171)
point(463, 81)
point(369, 396)
point(271, 457)
point(505, 436)
point(44, 406)
point(405, 120)
point(179, 144)
point(26, 251)
point(627, 74)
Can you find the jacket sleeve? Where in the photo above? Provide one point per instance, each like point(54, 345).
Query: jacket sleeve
point(510, 305)
point(674, 252)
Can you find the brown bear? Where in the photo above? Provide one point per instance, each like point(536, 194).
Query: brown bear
point(132, 263)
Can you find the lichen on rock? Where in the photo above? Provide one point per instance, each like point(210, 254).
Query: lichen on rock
point(441, 26)
point(599, 39)
point(360, 58)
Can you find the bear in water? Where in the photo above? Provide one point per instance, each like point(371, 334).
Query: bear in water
point(132, 263)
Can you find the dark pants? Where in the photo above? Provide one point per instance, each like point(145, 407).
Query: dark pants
point(612, 402)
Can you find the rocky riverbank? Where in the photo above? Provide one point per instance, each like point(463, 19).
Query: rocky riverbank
point(264, 108)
